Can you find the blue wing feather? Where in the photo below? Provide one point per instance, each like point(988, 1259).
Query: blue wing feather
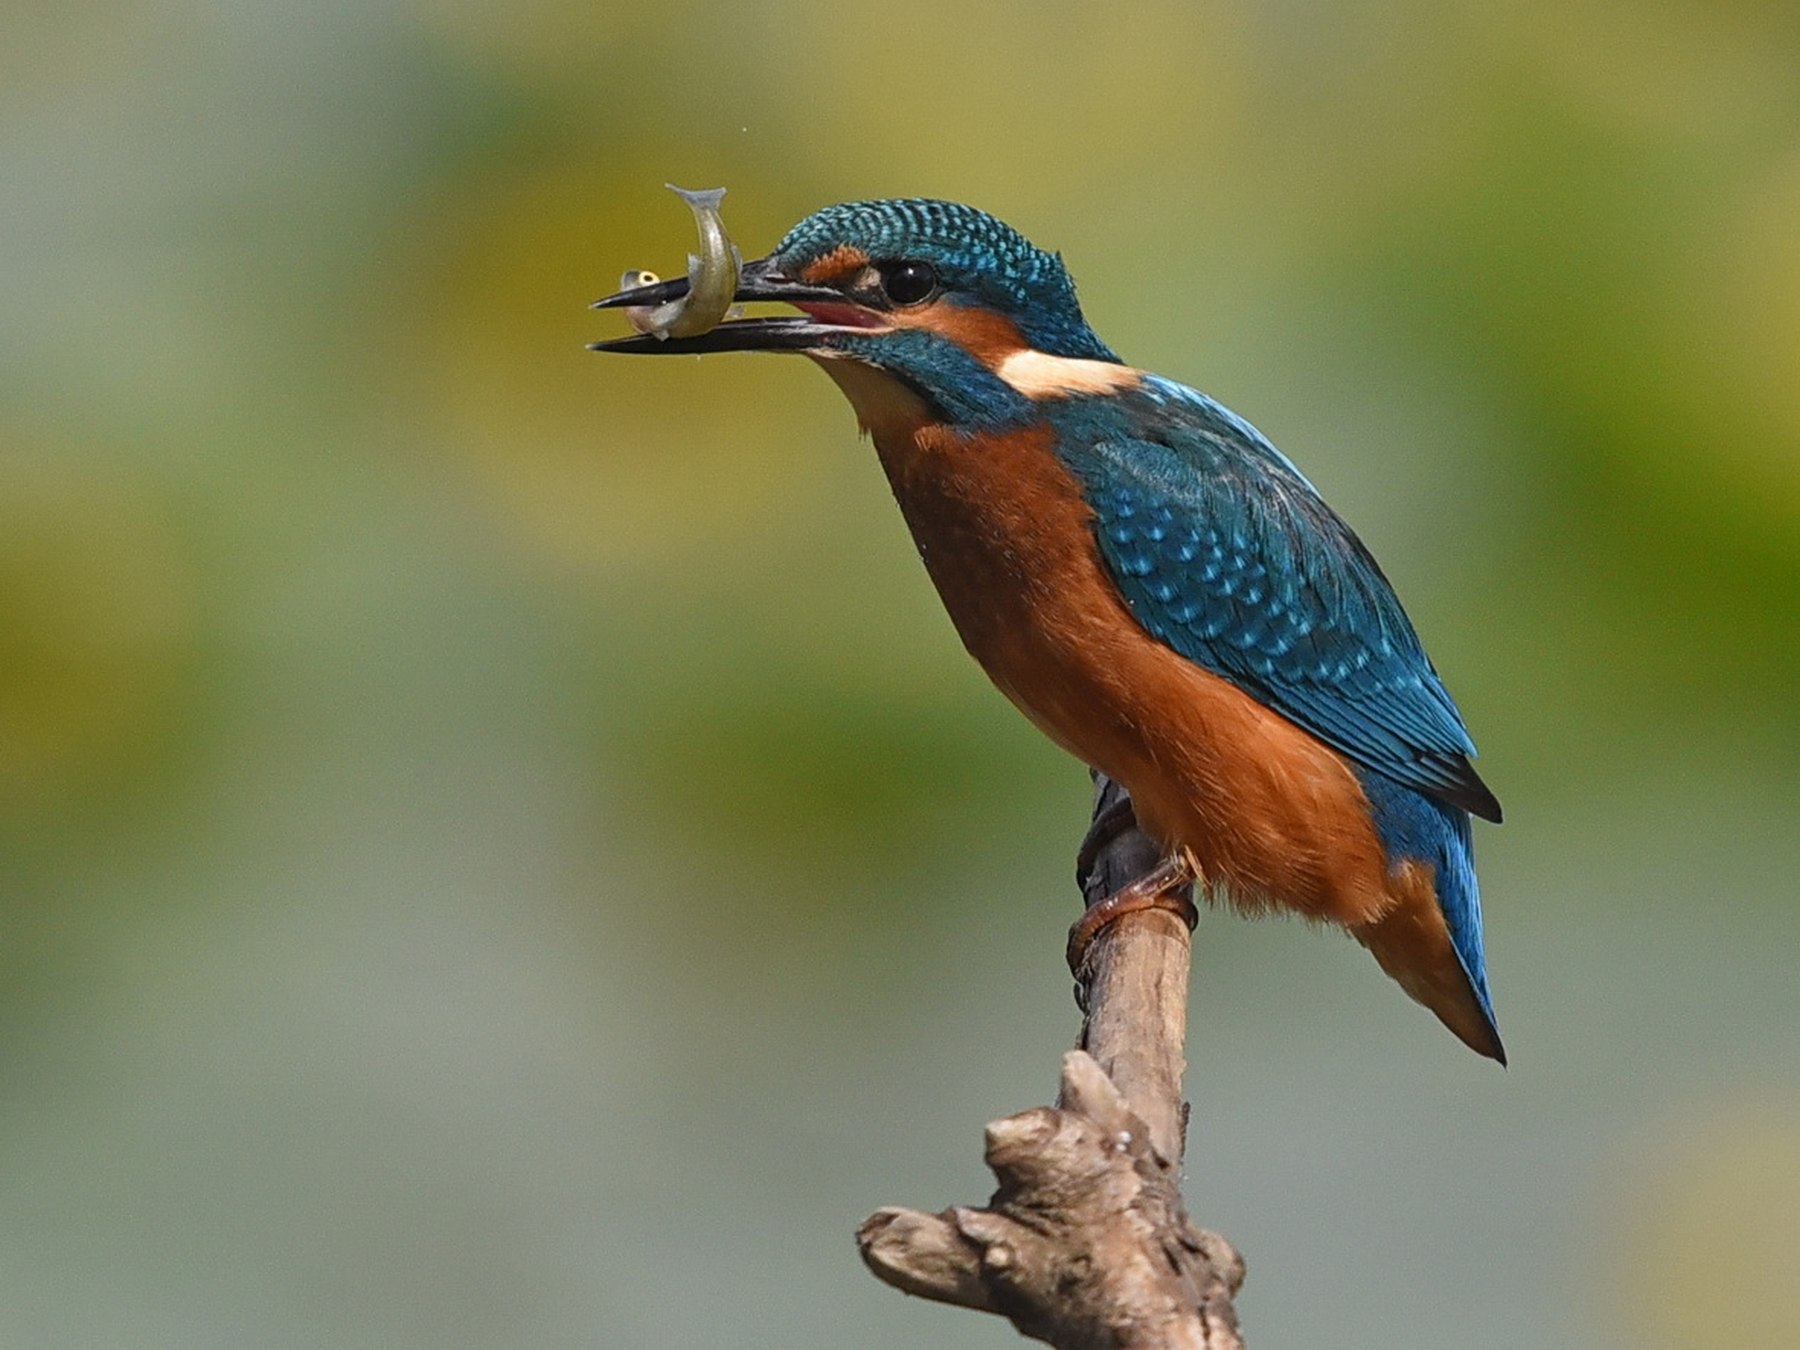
point(1225, 552)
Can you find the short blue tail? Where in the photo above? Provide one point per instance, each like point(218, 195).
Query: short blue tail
point(1415, 826)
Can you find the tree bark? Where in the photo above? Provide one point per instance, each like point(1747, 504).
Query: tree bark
point(1086, 1244)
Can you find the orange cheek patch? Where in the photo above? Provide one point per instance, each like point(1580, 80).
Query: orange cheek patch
point(842, 263)
point(997, 343)
point(990, 338)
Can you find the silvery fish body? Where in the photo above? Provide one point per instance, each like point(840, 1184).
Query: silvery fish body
point(712, 277)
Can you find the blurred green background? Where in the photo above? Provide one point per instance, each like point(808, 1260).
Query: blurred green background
point(500, 847)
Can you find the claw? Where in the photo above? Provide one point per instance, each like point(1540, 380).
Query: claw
point(1164, 887)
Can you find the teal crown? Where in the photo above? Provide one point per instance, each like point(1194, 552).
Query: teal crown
point(980, 261)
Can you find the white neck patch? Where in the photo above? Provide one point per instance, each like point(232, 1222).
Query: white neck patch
point(1038, 374)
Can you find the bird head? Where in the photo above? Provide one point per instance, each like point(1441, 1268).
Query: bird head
point(938, 296)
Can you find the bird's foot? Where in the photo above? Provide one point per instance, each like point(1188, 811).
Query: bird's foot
point(1166, 887)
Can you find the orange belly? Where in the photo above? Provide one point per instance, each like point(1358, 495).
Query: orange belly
point(1275, 817)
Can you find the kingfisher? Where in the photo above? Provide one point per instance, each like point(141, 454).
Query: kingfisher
point(1149, 580)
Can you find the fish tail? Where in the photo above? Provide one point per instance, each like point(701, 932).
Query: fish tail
point(703, 199)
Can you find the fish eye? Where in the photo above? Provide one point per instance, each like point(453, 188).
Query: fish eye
point(908, 282)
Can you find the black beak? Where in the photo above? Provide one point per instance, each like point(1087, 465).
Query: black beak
point(758, 281)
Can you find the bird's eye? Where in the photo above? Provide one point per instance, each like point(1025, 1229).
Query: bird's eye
point(908, 282)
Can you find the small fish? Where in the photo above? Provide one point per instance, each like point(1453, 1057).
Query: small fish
point(712, 277)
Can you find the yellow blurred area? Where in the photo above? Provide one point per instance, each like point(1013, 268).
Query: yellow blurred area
point(1747, 301)
point(1708, 1256)
point(100, 627)
point(500, 846)
point(1685, 74)
point(510, 384)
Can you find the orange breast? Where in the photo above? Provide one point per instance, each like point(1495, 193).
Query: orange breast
point(1274, 816)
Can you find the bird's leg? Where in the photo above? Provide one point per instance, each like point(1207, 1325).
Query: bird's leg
point(1165, 886)
point(1113, 816)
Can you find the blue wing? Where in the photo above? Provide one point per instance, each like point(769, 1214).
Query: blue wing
point(1227, 554)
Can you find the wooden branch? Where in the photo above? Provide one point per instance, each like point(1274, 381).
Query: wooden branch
point(1134, 986)
point(1086, 1244)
